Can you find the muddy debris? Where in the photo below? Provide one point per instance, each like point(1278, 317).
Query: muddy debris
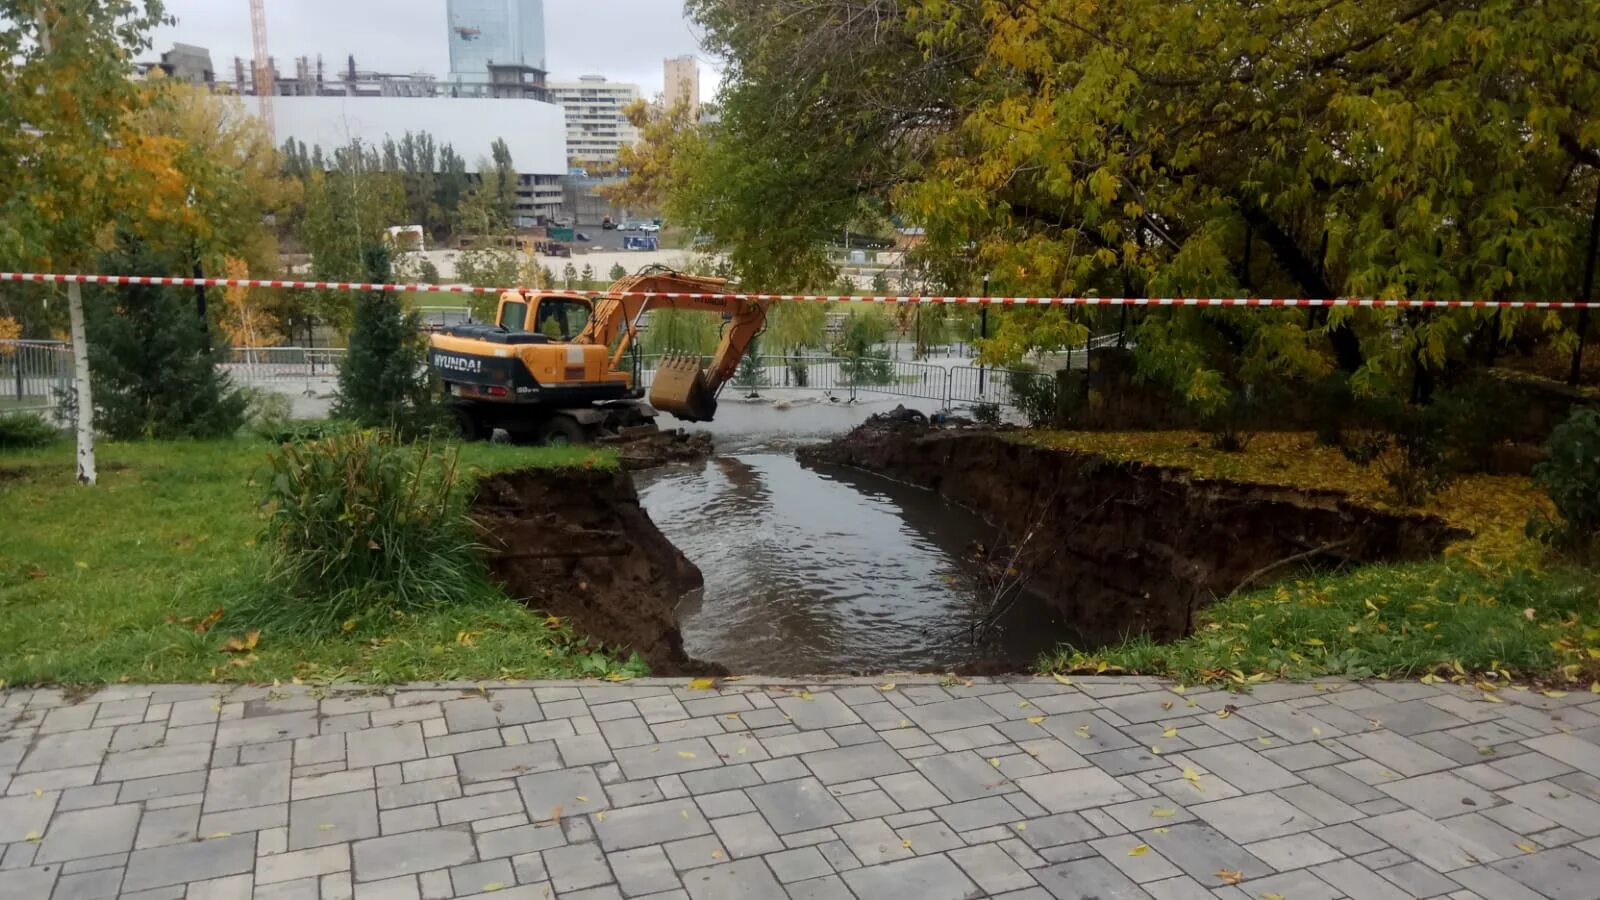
point(575, 543)
point(648, 449)
point(1122, 548)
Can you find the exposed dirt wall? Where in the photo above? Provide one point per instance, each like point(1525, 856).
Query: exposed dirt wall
point(1122, 549)
point(575, 543)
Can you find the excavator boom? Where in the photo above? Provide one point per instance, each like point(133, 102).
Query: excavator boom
point(681, 386)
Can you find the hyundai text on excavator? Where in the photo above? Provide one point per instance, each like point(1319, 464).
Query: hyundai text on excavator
point(549, 369)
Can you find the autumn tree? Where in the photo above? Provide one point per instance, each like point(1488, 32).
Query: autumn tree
point(347, 210)
point(245, 321)
point(75, 163)
point(1441, 148)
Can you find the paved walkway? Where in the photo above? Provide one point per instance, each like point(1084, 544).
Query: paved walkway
point(1025, 789)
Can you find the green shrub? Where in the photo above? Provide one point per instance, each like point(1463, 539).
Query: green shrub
point(269, 413)
point(155, 369)
point(986, 414)
point(1034, 393)
point(384, 381)
point(1410, 449)
point(359, 526)
point(22, 430)
point(1571, 476)
point(1472, 417)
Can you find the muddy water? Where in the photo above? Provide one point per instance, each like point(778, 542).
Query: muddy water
point(827, 570)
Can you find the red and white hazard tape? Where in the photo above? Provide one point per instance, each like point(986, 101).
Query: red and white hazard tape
point(51, 277)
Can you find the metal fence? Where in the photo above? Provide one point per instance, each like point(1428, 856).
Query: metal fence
point(34, 374)
point(945, 385)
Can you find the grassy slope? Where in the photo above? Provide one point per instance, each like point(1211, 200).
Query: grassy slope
point(103, 584)
point(1495, 602)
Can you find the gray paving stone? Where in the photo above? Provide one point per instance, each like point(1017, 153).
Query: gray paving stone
point(799, 864)
point(1558, 804)
point(380, 746)
point(1074, 790)
point(1564, 873)
point(964, 776)
point(1431, 842)
point(651, 823)
point(927, 878)
point(655, 760)
point(1398, 753)
point(25, 815)
point(153, 762)
point(28, 884)
point(795, 806)
point(1254, 817)
point(855, 762)
point(242, 787)
point(381, 858)
point(103, 883)
point(334, 819)
point(575, 867)
point(645, 870)
point(506, 762)
point(828, 887)
point(501, 709)
point(746, 835)
point(1092, 877)
point(301, 864)
point(264, 729)
point(89, 832)
point(747, 878)
point(198, 861)
point(1201, 851)
point(1356, 880)
point(161, 827)
point(576, 791)
point(67, 750)
point(725, 803)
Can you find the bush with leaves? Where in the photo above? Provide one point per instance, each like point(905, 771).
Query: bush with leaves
point(751, 373)
point(1473, 416)
point(155, 368)
point(986, 414)
point(384, 382)
point(617, 272)
point(1410, 448)
point(1034, 394)
point(1571, 476)
point(24, 430)
point(361, 526)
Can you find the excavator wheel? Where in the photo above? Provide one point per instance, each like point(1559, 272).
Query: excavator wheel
point(562, 431)
point(468, 426)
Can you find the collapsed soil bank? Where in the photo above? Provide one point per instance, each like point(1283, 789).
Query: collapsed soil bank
point(575, 543)
point(1128, 548)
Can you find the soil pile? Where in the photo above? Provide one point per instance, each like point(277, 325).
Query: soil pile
point(1124, 548)
point(574, 543)
point(657, 448)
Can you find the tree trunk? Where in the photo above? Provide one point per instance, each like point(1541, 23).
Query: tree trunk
point(1586, 293)
point(80, 379)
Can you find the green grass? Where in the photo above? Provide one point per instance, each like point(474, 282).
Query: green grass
point(1385, 621)
point(105, 584)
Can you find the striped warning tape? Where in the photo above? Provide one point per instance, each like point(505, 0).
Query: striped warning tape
point(178, 281)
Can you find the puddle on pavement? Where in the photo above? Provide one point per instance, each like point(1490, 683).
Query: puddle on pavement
point(821, 570)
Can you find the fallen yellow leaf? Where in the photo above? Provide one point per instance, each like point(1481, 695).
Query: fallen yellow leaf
point(1554, 693)
point(1170, 733)
point(1230, 876)
point(1022, 826)
point(1263, 740)
point(582, 799)
point(600, 816)
point(1154, 749)
point(1163, 813)
point(1034, 720)
point(994, 761)
point(1139, 850)
point(887, 687)
point(1525, 846)
point(326, 826)
point(1485, 695)
point(1061, 678)
point(702, 684)
point(34, 836)
point(494, 886)
point(1081, 731)
point(686, 754)
point(906, 844)
point(684, 813)
point(1271, 896)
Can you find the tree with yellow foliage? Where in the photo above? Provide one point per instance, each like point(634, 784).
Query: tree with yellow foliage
point(245, 323)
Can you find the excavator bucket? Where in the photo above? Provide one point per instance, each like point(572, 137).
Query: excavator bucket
point(679, 387)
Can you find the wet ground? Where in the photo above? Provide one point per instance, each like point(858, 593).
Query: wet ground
point(826, 570)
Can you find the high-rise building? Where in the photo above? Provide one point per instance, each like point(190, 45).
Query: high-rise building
point(501, 32)
point(596, 126)
point(682, 82)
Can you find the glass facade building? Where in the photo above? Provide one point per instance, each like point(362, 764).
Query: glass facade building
point(494, 31)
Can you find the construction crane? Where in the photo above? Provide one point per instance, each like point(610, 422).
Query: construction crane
point(258, 32)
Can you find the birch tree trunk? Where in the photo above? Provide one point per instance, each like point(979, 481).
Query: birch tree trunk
point(80, 380)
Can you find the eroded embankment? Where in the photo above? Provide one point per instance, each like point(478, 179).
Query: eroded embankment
point(1125, 548)
point(576, 544)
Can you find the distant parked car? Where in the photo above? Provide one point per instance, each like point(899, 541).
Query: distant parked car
point(580, 236)
point(649, 227)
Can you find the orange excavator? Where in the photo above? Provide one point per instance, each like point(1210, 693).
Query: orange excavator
point(549, 370)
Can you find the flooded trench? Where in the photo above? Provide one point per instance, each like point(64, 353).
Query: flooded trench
point(822, 569)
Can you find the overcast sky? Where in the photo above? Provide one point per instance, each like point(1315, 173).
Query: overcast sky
point(624, 40)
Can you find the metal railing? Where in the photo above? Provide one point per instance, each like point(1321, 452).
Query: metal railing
point(279, 366)
point(34, 374)
point(947, 386)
